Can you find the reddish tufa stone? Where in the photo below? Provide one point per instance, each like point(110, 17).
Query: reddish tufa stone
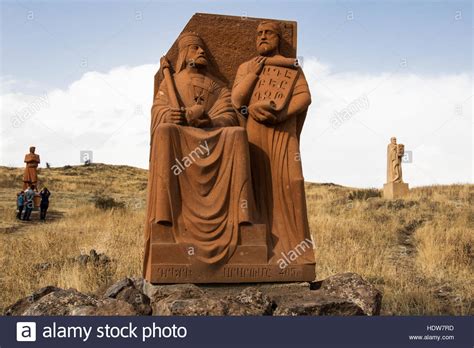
point(226, 199)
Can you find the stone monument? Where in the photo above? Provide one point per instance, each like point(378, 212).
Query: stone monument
point(395, 187)
point(30, 176)
point(226, 200)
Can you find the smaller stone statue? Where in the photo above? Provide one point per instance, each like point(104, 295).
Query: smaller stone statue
point(30, 176)
point(395, 187)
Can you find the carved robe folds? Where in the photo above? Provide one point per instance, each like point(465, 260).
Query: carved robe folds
point(226, 204)
point(199, 180)
point(276, 164)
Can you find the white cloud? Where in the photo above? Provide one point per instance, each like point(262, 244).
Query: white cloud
point(432, 116)
point(108, 113)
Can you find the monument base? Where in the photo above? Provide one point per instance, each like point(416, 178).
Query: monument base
point(171, 263)
point(230, 273)
point(395, 190)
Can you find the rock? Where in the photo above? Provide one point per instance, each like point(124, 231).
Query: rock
point(191, 300)
point(43, 266)
point(354, 288)
point(130, 291)
point(343, 295)
point(318, 305)
point(93, 258)
point(250, 301)
point(82, 259)
point(107, 307)
point(174, 305)
point(138, 283)
point(159, 292)
point(139, 301)
point(299, 299)
point(60, 302)
point(103, 259)
point(56, 301)
point(23, 304)
point(115, 289)
point(185, 299)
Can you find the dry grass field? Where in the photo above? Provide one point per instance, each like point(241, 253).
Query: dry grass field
point(418, 251)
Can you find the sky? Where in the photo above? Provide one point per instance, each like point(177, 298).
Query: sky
point(77, 76)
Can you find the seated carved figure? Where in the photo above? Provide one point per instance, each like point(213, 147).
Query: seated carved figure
point(199, 186)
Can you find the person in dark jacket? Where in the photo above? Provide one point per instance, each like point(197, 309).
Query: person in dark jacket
point(44, 202)
point(20, 203)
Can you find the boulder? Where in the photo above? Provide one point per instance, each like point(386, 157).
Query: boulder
point(60, 302)
point(23, 304)
point(107, 307)
point(354, 288)
point(55, 301)
point(130, 291)
point(94, 258)
point(250, 301)
point(317, 306)
point(192, 300)
point(115, 289)
point(342, 294)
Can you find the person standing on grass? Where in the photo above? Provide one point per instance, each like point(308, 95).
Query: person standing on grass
point(20, 203)
point(44, 202)
point(29, 196)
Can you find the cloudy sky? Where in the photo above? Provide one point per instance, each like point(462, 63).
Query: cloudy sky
point(79, 77)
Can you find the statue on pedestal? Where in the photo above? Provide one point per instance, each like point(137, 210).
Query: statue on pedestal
point(30, 176)
point(226, 200)
point(395, 153)
point(395, 187)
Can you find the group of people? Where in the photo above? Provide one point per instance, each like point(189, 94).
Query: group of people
point(25, 202)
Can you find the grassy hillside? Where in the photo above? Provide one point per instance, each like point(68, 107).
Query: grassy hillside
point(419, 251)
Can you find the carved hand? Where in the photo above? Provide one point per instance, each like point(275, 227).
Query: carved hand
point(256, 65)
point(176, 116)
point(263, 111)
point(164, 63)
point(196, 117)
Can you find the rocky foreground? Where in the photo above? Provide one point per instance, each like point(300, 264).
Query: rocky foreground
point(343, 294)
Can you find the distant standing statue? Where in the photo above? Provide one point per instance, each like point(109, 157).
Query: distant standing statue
point(30, 177)
point(394, 161)
point(395, 187)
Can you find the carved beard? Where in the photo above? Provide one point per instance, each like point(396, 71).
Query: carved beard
point(266, 48)
point(199, 62)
